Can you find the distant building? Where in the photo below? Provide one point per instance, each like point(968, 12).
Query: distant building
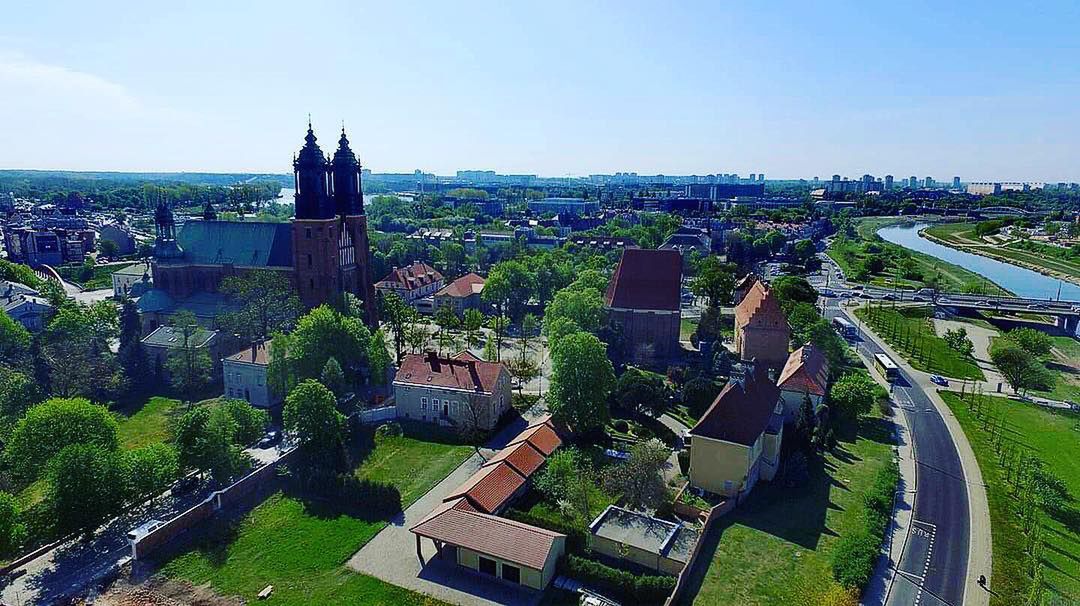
point(888, 182)
point(131, 281)
point(687, 241)
point(643, 304)
point(604, 243)
point(462, 294)
point(725, 191)
point(805, 375)
point(25, 305)
point(411, 283)
point(244, 375)
point(558, 206)
point(118, 235)
point(458, 391)
point(737, 441)
point(956, 182)
point(929, 183)
point(164, 340)
point(913, 182)
point(761, 329)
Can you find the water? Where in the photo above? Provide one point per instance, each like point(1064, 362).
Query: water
point(1023, 282)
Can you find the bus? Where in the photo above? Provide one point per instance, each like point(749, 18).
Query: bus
point(844, 327)
point(886, 366)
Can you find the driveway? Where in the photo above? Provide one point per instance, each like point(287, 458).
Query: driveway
point(391, 555)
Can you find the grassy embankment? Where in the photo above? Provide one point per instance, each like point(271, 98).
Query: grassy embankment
point(852, 255)
point(95, 278)
point(1031, 254)
point(910, 331)
point(1001, 432)
point(300, 545)
point(776, 547)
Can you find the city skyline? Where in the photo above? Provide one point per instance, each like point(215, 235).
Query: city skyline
point(791, 91)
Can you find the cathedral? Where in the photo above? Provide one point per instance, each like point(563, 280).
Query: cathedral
point(323, 252)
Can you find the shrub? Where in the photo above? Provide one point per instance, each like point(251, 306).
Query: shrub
point(388, 429)
point(855, 554)
point(621, 425)
point(620, 584)
point(577, 538)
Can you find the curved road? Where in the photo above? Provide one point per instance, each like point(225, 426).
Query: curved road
point(933, 567)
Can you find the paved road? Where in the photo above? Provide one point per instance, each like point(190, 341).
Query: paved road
point(933, 567)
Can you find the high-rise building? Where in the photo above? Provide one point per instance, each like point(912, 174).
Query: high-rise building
point(761, 177)
point(956, 182)
point(888, 182)
point(928, 182)
point(913, 182)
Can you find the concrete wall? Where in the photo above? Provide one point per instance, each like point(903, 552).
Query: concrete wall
point(646, 559)
point(713, 462)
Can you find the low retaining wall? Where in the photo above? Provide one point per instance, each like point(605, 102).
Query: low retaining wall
point(217, 500)
point(683, 580)
point(376, 415)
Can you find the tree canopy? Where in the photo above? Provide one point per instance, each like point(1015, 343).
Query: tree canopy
point(582, 377)
point(55, 423)
point(323, 334)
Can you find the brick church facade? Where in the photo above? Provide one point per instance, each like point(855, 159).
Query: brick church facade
point(324, 251)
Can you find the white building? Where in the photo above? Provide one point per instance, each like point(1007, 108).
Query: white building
point(245, 376)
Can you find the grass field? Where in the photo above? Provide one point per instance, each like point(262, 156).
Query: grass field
point(1065, 364)
point(1054, 437)
point(150, 423)
point(962, 235)
point(909, 330)
point(301, 547)
point(850, 255)
point(775, 548)
point(91, 279)
point(687, 328)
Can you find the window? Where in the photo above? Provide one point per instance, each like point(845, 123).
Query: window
point(309, 260)
point(487, 566)
point(423, 403)
point(511, 573)
point(307, 233)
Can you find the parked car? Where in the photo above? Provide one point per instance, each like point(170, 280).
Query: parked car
point(991, 303)
point(888, 296)
point(939, 380)
point(1036, 306)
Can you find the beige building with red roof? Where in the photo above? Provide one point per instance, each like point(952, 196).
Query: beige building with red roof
point(460, 391)
point(464, 526)
point(642, 302)
point(762, 333)
point(806, 375)
point(462, 294)
point(411, 283)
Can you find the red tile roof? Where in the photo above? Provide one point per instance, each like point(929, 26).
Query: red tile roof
point(505, 539)
point(463, 371)
point(490, 488)
point(742, 410)
point(542, 437)
point(465, 286)
point(760, 308)
point(411, 277)
point(806, 371)
point(646, 279)
point(523, 457)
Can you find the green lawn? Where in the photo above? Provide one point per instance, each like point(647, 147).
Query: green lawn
point(1054, 437)
point(910, 331)
point(150, 423)
point(775, 548)
point(687, 328)
point(91, 279)
point(301, 548)
point(962, 235)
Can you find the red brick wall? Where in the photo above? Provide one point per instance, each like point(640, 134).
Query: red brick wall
point(646, 337)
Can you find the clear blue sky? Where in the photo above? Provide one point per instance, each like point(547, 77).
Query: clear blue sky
point(984, 90)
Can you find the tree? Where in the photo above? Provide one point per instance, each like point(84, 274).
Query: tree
point(852, 394)
point(644, 392)
point(18, 392)
point(86, 484)
point(280, 374)
point(1019, 368)
point(446, 320)
point(417, 336)
point(77, 353)
point(107, 248)
point(1035, 342)
point(472, 323)
point(14, 342)
point(581, 380)
point(206, 439)
point(640, 479)
point(498, 325)
point(378, 357)
point(311, 416)
point(325, 333)
point(400, 316)
point(151, 469)
point(189, 363)
point(957, 340)
point(250, 422)
point(715, 281)
point(131, 356)
point(804, 252)
point(523, 370)
point(12, 529)
point(490, 353)
point(333, 378)
point(794, 289)
point(265, 303)
point(554, 479)
point(699, 393)
point(50, 426)
point(509, 287)
point(583, 306)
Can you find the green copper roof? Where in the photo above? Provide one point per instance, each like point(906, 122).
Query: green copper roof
point(245, 243)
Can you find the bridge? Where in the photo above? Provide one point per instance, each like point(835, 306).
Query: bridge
point(1066, 313)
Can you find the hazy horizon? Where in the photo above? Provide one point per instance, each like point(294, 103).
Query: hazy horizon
point(985, 91)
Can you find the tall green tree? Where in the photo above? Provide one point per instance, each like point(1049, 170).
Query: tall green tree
point(77, 353)
point(472, 322)
point(131, 356)
point(332, 377)
point(581, 381)
point(311, 415)
point(324, 333)
point(1019, 367)
point(14, 342)
point(399, 315)
point(50, 426)
point(852, 395)
point(189, 363)
point(85, 484)
point(280, 374)
point(18, 392)
point(583, 306)
point(640, 480)
point(12, 528)
point(378, 358)
point(208, 438)
point(509, 287)
point(151, 469)
point(715, 281)
point(265, 303)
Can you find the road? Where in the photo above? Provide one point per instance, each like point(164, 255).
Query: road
point(934, 563)
point(76, 565)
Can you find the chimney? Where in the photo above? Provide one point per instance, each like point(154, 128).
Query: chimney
point(432, 358)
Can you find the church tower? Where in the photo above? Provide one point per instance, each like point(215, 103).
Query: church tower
point(165, 244)
point(329, 231)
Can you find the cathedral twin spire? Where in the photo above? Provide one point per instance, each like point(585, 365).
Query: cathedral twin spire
point(327, 188)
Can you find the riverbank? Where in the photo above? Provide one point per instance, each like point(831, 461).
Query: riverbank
point(1014, 256)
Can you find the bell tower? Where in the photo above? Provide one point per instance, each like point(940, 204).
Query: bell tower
point(314, 228)
point(348, 195)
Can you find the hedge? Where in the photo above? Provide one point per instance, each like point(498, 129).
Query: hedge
point(619, 584)
point(855, 553)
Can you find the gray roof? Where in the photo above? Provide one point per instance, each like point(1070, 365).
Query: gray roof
point(653, 535)
point(202, 304)
point(135, 269)
point(171, 336)
point(244, 243)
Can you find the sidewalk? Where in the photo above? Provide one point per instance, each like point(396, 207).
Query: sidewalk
point(980, 547)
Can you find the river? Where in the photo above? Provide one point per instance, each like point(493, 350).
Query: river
point(1024, 282)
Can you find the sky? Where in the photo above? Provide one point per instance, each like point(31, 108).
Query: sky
point(985, 90)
